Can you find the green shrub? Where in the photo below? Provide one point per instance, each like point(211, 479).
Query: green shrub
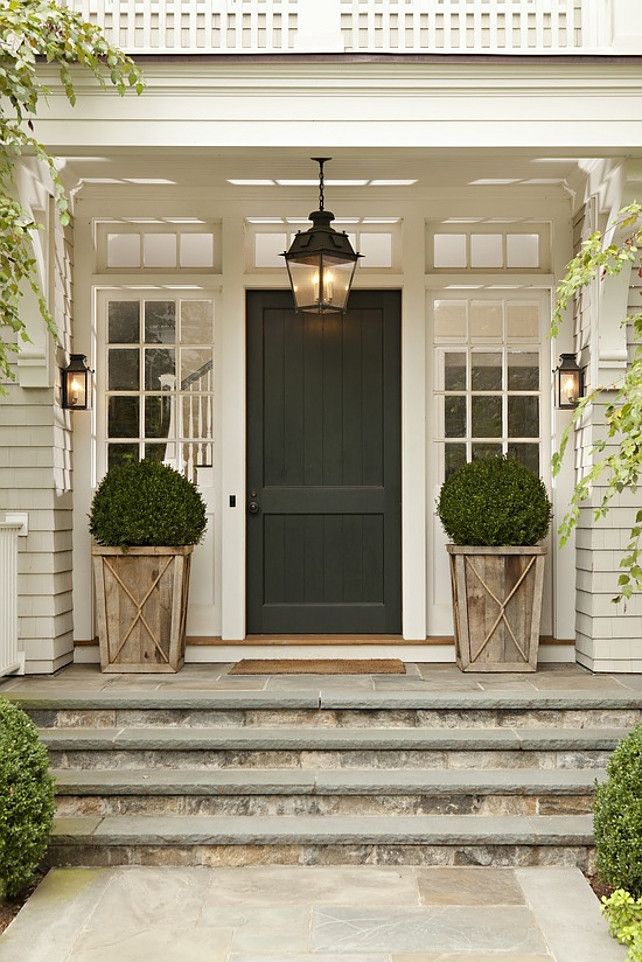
point(145, 503)
point(494, 501)
point(26, 799)
point(624, 915)
point(617, 817)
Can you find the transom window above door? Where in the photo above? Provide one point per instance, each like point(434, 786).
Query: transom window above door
point(170, 245)
point(377, 238)
point(487, 380)
point(158, 381)
point(487, 244)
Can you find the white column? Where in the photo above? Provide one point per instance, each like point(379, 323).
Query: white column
point(84, 428)
point(413, 431)
point(231, 360)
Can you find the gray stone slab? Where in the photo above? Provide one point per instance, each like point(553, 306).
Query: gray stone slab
point(558, 895)
point(151, 943)
point(48, 925)
point(75, 826)
point(324, 957)
point(163, 781)
point(330, 738)
point(325, 830)
point(510, 781)
point(163, 698)
point(275, 929)
point(322, 682)
point(564, 739)
point(463, 885)
point(433, 928)
point(315, 884)
point(78, 739)
point(466, 957)
point(147, 915)
point(568, 699)
point(263, 914)
point(226, 683)
point(281, 738)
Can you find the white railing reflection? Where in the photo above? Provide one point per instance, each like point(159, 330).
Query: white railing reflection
point(189, 430)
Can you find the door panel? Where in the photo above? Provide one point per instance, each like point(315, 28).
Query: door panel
point(324, 466)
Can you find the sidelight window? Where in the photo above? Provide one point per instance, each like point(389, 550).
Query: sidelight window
point(488, 381)
point(159, 381)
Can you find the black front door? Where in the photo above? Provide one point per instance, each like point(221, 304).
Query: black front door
point(324, 466)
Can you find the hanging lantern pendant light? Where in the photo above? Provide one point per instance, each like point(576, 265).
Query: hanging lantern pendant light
point(321, 262)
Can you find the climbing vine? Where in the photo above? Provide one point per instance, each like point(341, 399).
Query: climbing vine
point(33, 32)
point(617, 460)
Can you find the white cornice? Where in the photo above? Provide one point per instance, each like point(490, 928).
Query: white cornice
point(200, 77)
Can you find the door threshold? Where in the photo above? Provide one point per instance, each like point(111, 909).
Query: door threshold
point(278, 640)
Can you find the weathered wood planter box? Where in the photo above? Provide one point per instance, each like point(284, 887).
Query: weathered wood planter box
point(141, 601)
point(497, 605)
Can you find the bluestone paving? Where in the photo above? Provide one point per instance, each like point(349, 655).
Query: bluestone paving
point(311, 914)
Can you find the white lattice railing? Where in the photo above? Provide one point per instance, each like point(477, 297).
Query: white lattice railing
point(356, 26)
point(461, 26)
point(11, 659)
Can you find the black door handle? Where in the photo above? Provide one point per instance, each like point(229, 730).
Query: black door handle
point(253, 507)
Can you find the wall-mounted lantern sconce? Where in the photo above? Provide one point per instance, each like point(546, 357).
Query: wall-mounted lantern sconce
point(321, 261)
point(569, 383)
point(75, 384)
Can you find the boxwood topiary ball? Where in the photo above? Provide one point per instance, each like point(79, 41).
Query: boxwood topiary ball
point(494, 501)
point(617, 817)
point(145, 503)
point(26, 800)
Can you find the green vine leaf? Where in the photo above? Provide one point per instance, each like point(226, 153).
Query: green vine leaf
point(32, 31)
point(617, 458)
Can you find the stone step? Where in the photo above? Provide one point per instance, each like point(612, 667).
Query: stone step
point(136, 708)
point(157, 791)
point(225, 840)
point(159, 781)
point(282, 747)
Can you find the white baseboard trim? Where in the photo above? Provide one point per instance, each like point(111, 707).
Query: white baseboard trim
point(204, 654)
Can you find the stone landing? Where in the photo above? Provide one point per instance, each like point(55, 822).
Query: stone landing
point(303, 914)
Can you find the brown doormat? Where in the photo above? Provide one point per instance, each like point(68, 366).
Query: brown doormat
point(319, 666)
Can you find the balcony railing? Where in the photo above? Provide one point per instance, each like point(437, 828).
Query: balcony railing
point(551, 27)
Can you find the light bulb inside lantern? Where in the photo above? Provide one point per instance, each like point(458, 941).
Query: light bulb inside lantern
point(75, 388)
point(569, 389)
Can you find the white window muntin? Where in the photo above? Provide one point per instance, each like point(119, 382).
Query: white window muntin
point(470, 348)
point(191, 444)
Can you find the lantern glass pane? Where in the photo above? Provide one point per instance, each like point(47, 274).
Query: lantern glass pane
point(76, 389)
point(304, 279)
point(337, 277)
point(569, 388)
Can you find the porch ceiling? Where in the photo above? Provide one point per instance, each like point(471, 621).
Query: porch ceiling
point(427, 169)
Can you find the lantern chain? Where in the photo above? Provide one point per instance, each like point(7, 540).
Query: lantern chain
point(321, 161)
